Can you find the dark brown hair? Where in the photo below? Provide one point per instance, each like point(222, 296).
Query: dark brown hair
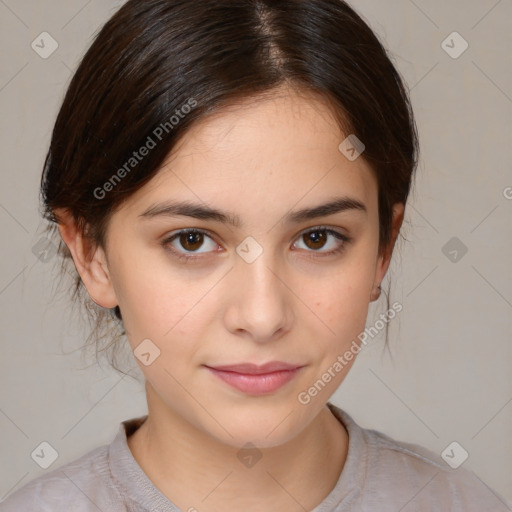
point(155, 57)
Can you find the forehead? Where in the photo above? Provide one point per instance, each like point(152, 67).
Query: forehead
point(277, 149)
point(271, 125)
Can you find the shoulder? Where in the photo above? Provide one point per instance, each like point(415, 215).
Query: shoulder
point(427, 479)
point(79, 486)
point(412, 477)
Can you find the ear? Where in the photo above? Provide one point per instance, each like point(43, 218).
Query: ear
point(90, 262)
point(384, 258)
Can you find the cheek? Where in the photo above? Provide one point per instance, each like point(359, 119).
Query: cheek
point(342, 302)
point(345, 310)
point(156, 303)
point(348, 287)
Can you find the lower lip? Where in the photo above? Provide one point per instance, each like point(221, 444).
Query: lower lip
point(256, 384)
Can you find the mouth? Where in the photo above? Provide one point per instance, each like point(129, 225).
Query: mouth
point(256, 379)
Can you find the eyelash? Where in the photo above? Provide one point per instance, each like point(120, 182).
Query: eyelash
point(187, 258)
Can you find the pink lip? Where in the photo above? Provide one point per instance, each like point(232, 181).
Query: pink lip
point(256, 380)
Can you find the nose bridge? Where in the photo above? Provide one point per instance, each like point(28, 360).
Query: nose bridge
point(259, 298)
point(255, 262)
point(260, 277)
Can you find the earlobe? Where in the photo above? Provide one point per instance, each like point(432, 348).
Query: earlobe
point(376, 291)
point(90, 262)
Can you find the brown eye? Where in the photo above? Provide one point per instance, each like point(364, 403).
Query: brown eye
point(190, 243)
point(315, 239)
point(191, 240)
point(323, 238)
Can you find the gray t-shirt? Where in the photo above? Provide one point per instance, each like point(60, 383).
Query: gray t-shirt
point(380, 475)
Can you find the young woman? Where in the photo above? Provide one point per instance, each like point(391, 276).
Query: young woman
point(229, 179)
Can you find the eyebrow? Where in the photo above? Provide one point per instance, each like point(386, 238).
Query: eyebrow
point(199, 211)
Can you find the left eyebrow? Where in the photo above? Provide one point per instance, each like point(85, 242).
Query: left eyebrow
point(199, 211)
point(337, 205)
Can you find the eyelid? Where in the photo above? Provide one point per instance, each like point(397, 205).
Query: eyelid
point(324, 227)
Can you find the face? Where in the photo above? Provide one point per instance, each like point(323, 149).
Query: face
point(274, 285)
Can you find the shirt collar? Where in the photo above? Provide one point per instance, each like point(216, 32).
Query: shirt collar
point(134, 484)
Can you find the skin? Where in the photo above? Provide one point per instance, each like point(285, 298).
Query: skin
point(259, 160)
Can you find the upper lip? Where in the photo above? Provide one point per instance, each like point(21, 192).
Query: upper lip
point(254, 369)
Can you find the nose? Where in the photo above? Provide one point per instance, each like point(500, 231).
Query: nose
point(260, 301)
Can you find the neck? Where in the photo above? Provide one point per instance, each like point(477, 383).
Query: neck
point(194, 470)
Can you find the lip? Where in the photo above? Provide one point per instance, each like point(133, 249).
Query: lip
point(256, 379)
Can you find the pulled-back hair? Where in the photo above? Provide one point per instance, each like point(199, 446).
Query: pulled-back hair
point(159, 66)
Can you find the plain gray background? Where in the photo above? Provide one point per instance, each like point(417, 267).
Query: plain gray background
point(449, 379)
